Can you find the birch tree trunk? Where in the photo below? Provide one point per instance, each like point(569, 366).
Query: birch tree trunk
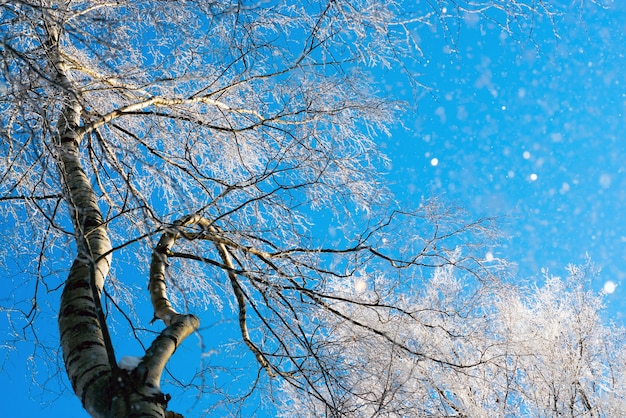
point(104, 389)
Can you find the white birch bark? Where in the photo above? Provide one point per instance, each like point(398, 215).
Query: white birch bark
point(82, 341)
point(104, 389)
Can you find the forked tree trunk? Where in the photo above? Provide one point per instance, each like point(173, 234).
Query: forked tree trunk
point(104, 389)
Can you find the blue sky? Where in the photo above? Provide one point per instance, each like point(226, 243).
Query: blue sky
point(529, 131)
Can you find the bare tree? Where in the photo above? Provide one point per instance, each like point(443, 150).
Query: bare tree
point(216, 134)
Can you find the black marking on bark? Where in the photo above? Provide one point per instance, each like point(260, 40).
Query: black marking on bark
point(76, 285)
point(77, 352)
point(171, 338)
point(74, 299)
point(69, 139)
point(74, 311)
point(162, 249)
point(92, 222)
point(97, 376)
point(83, 327)
point(160, 398)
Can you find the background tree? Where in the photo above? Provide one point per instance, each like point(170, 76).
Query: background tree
point(539, 351)
point(217, 134)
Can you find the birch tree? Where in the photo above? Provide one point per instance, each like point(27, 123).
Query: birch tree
point(229, 149)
